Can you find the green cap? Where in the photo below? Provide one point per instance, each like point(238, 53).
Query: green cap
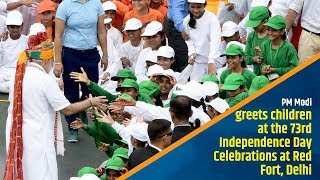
point(120, 141)
point(87, 170)
point(149, 88)
point(258, 83)
point(233, 50)
point(115, 163)
point(233, 82)
point(128, 83)
point(276, 22)
point(126, 96)
point(121, 152)
point(257, 15)
point(124, 73)
point(210, 78)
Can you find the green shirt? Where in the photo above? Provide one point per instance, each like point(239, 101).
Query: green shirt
point(282, 59)
point(248, 76)
point(252, 41)
point(103, 132)
point(99, 91)
point(238, 99)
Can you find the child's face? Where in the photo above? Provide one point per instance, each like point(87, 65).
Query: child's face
point(165, 63)
point(234, 93)
point(131, 91)
point(235, 37)
point(196, 9)
point(165, 84)
point(274, 34)
point(14, 31)
point(133, 34)
point(260, 27)
point(47, 16)
point(139, 4)
point(110, 14)
point(234, 62)
point(112, 174)
point(154, 41)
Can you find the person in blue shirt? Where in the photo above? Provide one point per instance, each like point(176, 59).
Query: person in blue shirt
point(79, 27)
point(177, 11)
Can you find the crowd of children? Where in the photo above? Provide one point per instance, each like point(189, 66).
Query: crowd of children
point(151, 106)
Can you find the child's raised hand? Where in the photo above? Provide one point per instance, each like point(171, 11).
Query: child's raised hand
point(77, 124)
point(104, 146)
point(106, 118)
point(80, 77)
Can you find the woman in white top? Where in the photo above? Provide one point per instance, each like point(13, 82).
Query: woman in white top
point(204, 41)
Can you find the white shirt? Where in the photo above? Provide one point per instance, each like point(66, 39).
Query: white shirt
point(151, 112)
point(155, 147)
point(131, 52)
point(310, 16)
point(207, 32)
point(10, 50)
point(3, 26)
point(41, 99)
point(141, 65)
point(3, 6)
point(116, 36)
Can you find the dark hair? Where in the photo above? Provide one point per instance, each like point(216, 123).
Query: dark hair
point(199, 103)
point(192, 22)
point(181, 107)
point(162, 34)
point(144, 25)
point(157, 128)
point(141, 143)
point(158, 101)
point(196, 124)
point(243, 62)
point(284, 35)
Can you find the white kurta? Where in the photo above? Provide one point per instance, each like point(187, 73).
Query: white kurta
point(209, 28)
point(116, 36)
point(141, 66)
point(9, 52)
point(131, 52)
point(41, 99)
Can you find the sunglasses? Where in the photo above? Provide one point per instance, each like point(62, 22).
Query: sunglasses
point(168, 134)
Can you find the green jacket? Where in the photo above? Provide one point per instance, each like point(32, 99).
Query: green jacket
point(98, 91)
point(238, 99)
point(282, 59)
point(248, 76)
point(103, 132)
point(252, 41)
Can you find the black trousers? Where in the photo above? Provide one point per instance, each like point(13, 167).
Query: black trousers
point(178, 44)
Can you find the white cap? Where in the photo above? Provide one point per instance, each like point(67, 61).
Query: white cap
point(210, 88)
point(197, 1)
point(219, 104)
point(107, 20)
point(139, 131)
point(166, 51)
point(169, 73)
point(229, 28)
point(109, 6)
point(236, 43)
point(36, 28)
point(256, 3)
point(152, 28)
point(152, 56)
point(192, 89)
point(14, 18)
point(154, 70)
point(86, 177)
point(133, 24)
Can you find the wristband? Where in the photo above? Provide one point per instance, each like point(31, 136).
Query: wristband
point(90, 102)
